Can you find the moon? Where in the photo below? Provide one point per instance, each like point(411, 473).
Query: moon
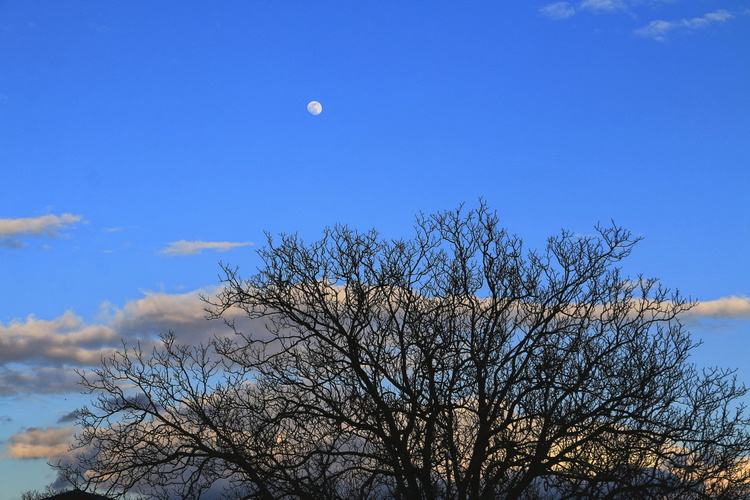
point(314, 107)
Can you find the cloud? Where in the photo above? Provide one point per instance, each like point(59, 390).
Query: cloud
point(184, 314)
point(10, 243)
point(34, 379)
point(156, 313)
point(558, 10)
point(603, 5)
point(101, 28)
point(564, 10)
point(65, 339)
point(46, 225)
point(724, 308)
point(45, 442)
point(68, 417)
point(184, 247)
point(40, 356)
point(658, 30)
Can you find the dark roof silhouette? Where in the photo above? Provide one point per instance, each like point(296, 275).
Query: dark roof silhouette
point(77, 495)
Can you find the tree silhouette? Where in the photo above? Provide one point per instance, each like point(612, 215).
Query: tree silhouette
point(452, 365)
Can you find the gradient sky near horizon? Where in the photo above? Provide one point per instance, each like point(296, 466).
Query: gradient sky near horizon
point(143, 142)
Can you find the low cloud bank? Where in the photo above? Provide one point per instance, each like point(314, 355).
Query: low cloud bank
point(39, 356)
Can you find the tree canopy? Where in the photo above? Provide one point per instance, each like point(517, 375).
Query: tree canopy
point(452, 365)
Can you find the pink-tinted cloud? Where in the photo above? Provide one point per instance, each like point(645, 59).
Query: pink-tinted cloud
point(66, 339)
point(39, 356)
point(45, 442)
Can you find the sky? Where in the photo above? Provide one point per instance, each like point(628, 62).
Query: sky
point(142, 143)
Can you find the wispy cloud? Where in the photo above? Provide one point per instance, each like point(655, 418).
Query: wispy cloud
point(603, 5)
point(184, 247)
point(11, 243)
point(42, 442)
point(45, 225)
point(564, 10)
point(558, 10)
point(101, 28)
point(658, 30)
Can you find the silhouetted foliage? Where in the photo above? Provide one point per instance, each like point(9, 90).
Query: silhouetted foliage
point(453, 365)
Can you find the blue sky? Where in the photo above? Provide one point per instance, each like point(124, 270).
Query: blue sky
point(143, 142)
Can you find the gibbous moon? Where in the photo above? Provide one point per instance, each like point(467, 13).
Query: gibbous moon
point(314, 107)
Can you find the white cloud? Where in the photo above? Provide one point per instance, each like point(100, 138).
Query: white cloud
point(658, 30)
point(47, 225)
point(184, 247)
point(723, 308)
point(184, 314)
point(720, 15)
point(558, 10)
point(158, 313)
point(603, 5)
point(101, 28)
point(46, 442)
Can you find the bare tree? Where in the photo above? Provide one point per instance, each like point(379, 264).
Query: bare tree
point(453, 365)
point(38, 495)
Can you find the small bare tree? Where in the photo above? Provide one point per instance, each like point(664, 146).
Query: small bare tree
point(39, 495)
point(453, 365)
